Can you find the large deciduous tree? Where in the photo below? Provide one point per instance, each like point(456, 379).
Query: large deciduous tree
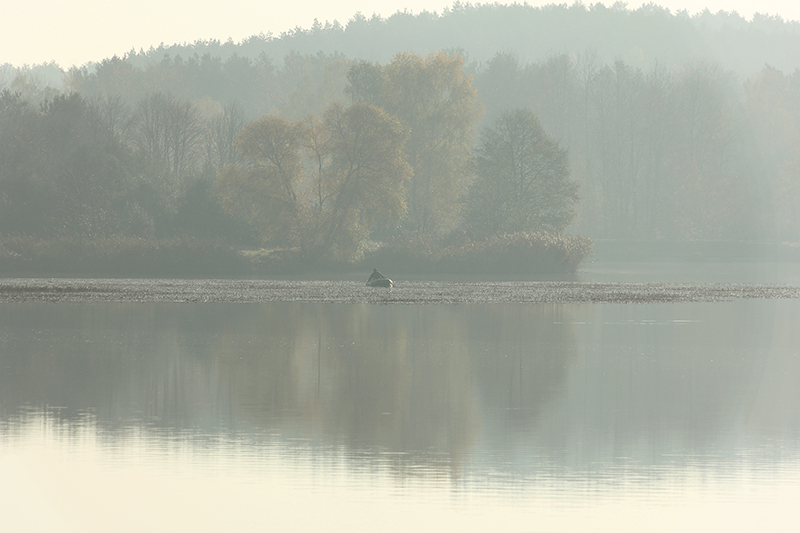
point(367, 175)
point(63, 169)
point(522, 181)
point(170, 132)
point(320, 185)
point(434, 100)
point(264, 190)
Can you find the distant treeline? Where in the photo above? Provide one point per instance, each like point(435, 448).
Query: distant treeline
point(664, 141)
point(478, 31)
point(396, 164)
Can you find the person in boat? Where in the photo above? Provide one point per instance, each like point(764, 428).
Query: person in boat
point(375, 275)
point(376, 279)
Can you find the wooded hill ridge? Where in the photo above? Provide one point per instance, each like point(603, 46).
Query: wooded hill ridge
point(479, 31)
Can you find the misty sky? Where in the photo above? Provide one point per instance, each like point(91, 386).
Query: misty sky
point(73, 32)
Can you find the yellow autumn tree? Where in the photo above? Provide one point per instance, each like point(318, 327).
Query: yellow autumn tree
point(434, 100)
point(264, 189)
point(320, 185)
point(367, 175)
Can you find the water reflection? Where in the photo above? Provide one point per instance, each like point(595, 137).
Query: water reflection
point(416, 380)
point(519, 403)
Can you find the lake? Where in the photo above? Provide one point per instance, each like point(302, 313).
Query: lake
point(319, 416)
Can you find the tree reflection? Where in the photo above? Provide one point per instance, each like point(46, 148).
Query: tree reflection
point(414, 381)
point(417, 389)
point(418, 381)
point(394, 377)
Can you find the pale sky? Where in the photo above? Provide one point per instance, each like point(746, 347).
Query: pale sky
point(74, 32)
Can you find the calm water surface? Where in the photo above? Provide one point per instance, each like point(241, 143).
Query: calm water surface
point(356, 417)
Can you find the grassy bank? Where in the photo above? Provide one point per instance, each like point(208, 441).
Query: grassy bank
point(520, 253)
point(119, 257)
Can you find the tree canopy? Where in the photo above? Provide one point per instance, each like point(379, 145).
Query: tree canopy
point(434, 99)
point(522, 182)
point(320, 185)
point(664, 145)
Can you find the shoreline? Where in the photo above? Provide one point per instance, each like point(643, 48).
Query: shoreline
point(96, 290)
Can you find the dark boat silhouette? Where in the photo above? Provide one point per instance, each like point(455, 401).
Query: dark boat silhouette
point(376, 279)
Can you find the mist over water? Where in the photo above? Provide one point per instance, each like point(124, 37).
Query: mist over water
point(661, 395)
point(303, 416)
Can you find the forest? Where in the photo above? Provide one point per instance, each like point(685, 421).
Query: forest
point(441, 140)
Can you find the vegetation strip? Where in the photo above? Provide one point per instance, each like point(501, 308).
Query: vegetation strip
point(404, 292)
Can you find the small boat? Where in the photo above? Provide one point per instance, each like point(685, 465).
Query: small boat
point(376, 279)
point(380, 282)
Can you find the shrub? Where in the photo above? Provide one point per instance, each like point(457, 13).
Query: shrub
point(517, 253)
